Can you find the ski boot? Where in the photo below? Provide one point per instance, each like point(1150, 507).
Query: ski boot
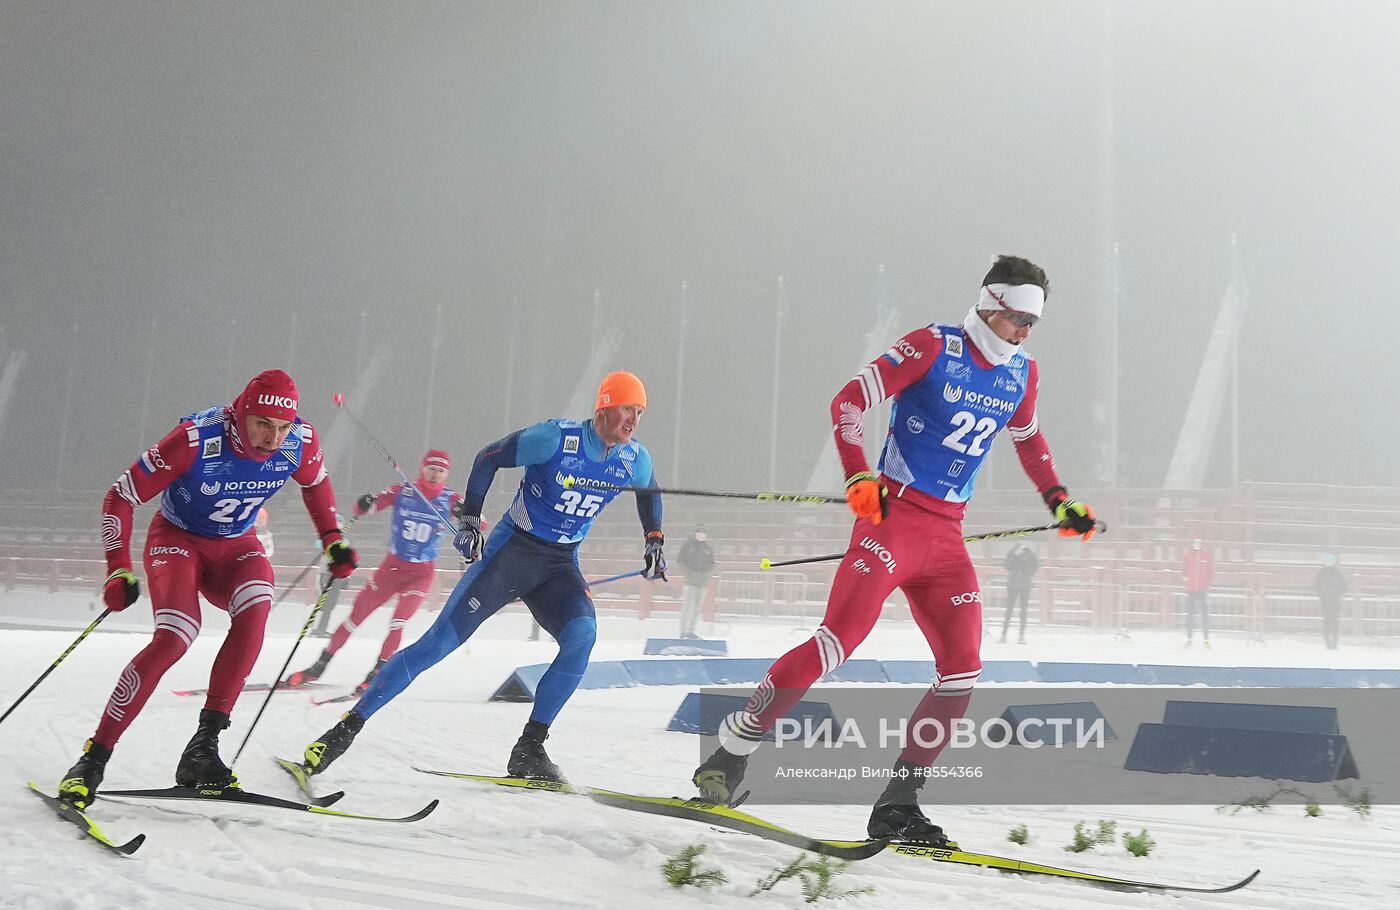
point(310, 674)
point(200, 765)
point(369, 678)
point(79, 785)
point(719, 776)
point(528, 758)
point(333, 743)
point(905, 823)
point(897, 815)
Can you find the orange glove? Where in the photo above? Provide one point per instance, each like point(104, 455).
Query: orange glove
point(866, 497)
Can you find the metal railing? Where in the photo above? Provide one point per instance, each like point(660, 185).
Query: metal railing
point(1267, 540)
point(768, 593)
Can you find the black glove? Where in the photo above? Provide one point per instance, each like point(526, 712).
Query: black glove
point(653, 557)
point(364, 504)
point(343, 558)
point(120, 590)
point(468, 539)
point(459, 511)
point(1076, 518)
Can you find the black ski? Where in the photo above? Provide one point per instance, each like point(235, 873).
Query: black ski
point(75, 816)
point(305, 787)
point(693, 809)
point(244, 797)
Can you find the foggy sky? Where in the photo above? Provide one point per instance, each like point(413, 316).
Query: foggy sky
point(199, 191)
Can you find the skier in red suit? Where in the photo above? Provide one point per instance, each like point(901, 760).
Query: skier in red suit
point(213, 472)
point(955, 387)
point(408, 567)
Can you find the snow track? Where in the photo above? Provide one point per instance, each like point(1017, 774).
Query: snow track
point(486, 847)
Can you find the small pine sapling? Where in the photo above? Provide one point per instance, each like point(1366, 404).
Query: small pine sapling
point(1085, 837)
point(780, 874)
point(1139, 844)
point(684, 869)
point(817, 876)
point(1019, 835)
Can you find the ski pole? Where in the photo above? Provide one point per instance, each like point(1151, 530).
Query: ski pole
point(45, 675)
point(766, 563)
point(1099, 528)
point(320, 602)
point(105, 613)
point(393, 463)
point(277, 682)
point(291, 586)
point(613, 578)
point(816, 498)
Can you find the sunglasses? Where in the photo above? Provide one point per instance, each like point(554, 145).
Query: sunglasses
point(1019, 318)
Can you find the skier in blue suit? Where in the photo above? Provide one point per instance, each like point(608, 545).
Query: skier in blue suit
point(572, 471)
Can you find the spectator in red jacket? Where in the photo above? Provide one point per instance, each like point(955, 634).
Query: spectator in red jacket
point(1198, 571)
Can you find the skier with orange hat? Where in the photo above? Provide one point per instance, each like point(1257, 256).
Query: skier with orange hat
point(408, 567)
point(213, 472)
point(573, 469)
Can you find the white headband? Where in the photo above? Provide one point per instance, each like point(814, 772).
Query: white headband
point(1028, 298)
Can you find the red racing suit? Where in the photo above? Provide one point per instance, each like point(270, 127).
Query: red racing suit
point(231, 570)
point(918, 547)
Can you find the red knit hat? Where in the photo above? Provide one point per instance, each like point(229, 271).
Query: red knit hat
point(271, 393)
point(437, 458)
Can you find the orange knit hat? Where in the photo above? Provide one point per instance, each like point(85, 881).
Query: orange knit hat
point(620, 388)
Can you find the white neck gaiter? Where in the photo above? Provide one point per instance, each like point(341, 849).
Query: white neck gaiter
point(997, 351)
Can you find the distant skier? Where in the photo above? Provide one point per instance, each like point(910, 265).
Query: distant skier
point(215, 469)
point(572, 470)
point(408, 568)
point(954, 387)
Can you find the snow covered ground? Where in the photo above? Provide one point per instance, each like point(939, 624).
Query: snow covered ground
point(491, 847)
